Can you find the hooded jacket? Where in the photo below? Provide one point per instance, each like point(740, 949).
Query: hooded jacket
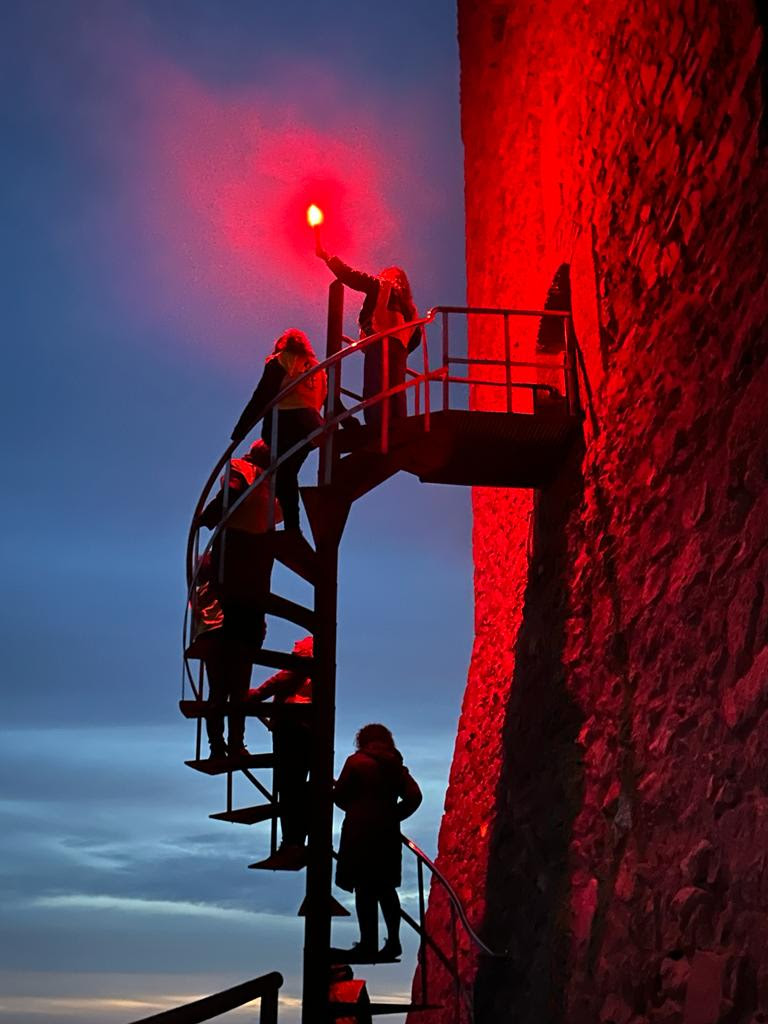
point(377, 792)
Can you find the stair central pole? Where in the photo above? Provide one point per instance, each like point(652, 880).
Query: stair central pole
point(317, 931)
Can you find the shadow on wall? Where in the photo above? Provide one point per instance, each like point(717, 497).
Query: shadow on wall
point(540, 786)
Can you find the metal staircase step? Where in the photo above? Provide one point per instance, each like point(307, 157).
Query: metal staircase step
point(222, 765)
point(337, 909)
point(247, 815)
point(251, 709)
point(200, 649)
point(295, 553)
point(290, 610)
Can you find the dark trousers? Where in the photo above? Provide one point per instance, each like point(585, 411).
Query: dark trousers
point(293, 425)
point(228, 668)
point(291, 746)
point(368, 898)
point(229, 677)
point(373, 379)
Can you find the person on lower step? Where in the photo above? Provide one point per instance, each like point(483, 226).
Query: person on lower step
point(376, 791)
point(289, 370)
point(291, 726)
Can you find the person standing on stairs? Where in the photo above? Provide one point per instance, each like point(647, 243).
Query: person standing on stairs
point(376, 791)
point(388, 303)
point(298, 413)
point(228, 601)
point(291, 726)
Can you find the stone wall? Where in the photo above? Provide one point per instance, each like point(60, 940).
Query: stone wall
point(607, 815)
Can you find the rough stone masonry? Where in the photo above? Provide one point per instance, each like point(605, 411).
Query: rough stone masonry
point(607, 815)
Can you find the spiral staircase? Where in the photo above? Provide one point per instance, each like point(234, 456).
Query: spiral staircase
point(450, 436)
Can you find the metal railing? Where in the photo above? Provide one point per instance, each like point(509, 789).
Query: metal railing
point(449, 958)
point(265, 989)
point(419, 382)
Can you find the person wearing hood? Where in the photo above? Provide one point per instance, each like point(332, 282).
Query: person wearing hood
point(228, 606)
point(291, 727)
point(298, 413)
point(376, 791)
point(388, 303)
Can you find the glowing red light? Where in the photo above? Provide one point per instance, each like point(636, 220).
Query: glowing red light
point(315, 216)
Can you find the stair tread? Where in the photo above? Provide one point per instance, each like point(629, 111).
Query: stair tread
point(222, 765)
point(251, 708)
point(290, 610)
point(296, 554)
point(247, 815)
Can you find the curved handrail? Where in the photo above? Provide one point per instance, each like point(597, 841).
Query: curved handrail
point(193, 563)
point(352, 346)
point(452, 894)
point(330, 361)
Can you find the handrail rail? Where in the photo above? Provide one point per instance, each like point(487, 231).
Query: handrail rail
point(193, 563)
point(332, 360)
point(326, 363)
point(499, 311)
point(265, 988)
point(451, 892)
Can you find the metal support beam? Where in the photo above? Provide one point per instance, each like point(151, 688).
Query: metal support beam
point(317, 932)
point(333, 344)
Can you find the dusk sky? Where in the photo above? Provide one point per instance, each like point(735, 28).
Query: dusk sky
point(158, 156)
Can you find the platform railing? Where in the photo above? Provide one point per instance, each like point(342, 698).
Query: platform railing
point(265, 989)
point(418, 382)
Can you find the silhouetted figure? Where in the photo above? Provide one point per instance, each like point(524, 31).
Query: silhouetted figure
point(229, 598)
point(376, 791)
point(388, 303)
point(298, 413)
point(291, 725)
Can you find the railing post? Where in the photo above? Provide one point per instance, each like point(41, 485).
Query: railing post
point(273, 442)
point(446, 385)
point(427, 382)
point(423, 933)
point(507, 359)
point(268, 1008)
point(385, 387)
point(224, 506)
point(317, 928)
point(333, 344)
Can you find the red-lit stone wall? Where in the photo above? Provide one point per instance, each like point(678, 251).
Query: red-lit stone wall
point(607, 815)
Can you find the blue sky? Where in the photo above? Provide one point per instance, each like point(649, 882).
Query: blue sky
point(151, 151)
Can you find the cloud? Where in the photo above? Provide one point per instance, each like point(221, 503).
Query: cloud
point(174, 908)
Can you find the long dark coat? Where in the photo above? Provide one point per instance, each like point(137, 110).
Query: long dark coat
point(377, 792)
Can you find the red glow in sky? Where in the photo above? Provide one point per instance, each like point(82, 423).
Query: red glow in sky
point(223, 187)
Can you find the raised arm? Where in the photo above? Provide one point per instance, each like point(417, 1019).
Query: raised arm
point(355, 279)
point(267, 389)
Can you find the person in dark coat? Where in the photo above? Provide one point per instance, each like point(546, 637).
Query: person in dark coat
point(298, 413)
point(291, 727)
point(376, 791)
point(228, 611)
point(388, 303)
